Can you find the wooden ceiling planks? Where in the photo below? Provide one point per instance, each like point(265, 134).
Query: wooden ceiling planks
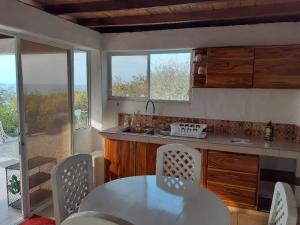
point(139, 15)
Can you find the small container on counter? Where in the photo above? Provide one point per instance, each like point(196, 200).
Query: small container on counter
point(269, 132)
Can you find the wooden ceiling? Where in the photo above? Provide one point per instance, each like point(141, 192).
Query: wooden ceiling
point(140, 15)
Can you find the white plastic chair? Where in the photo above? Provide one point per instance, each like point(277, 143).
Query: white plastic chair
point(72, 180)
point(94, 218)
point(284, 208)
point(179, 161)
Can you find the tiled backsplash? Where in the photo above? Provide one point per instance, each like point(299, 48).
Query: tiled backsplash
point(288, 132)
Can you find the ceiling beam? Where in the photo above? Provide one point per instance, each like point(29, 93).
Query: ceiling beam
point(32, 3)
point(231, 14)
point(113, 5)
point(116, 29)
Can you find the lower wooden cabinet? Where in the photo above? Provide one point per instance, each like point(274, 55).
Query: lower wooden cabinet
point(234, 195)
point(145, 158)
point(128, 158)
point(118, 159)
point(233, 177)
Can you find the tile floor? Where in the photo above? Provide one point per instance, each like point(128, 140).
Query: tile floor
point(248, 217)
point(8, 151)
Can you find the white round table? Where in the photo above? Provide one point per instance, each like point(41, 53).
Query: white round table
point(149, 200)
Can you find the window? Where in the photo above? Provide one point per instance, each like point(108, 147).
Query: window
point(81, 99)
point(155, 75)
point(129, 75)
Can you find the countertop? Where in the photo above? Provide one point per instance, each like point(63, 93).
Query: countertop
point(276, 148)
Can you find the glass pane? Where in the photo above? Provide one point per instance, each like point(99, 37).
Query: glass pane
point(10, 182)
point(129, 76)
point(170, 76)
point(47, 114)
point(81, 106)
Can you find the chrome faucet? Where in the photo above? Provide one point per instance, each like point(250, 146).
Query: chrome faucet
point(153, 106)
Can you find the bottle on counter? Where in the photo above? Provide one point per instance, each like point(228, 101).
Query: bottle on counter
point(126, 121)
point(269, 129)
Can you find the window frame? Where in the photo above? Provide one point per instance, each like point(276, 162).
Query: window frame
point(148, 54)
point(88, 70)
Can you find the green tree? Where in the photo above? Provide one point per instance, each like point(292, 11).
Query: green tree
point(8, 111)
point(81, 103)
point(136, 87)
point(169, 81)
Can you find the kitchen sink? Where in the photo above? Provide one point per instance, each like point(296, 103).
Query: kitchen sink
point(145, 131)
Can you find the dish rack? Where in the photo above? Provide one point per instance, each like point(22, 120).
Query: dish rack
point(194, 130)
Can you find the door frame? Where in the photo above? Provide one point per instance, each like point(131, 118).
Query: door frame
point(25, 199)
point(27, 212)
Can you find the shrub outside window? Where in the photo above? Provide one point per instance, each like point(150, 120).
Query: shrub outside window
point(154, 75)
point(81, 99)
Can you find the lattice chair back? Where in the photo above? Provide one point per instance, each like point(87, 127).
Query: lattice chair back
point(72, 180)
point(283, 208)
point(179, 161)
point(94, 218)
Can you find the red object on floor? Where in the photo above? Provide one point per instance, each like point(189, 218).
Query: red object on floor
point(38, 220)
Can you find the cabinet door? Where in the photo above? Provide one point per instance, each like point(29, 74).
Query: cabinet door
point(233, 162)
point(145, 158)
point(118, 159)
point(277, 67)
point(233, 177)
point(230, 67)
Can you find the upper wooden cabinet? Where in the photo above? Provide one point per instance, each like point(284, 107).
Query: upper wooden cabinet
point(277, 67)
point(249, 67)
point(230, 67)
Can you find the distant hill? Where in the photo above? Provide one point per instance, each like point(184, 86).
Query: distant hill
point(41, 87)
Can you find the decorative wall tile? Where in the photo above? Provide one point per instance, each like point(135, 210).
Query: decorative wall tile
point(289, 132)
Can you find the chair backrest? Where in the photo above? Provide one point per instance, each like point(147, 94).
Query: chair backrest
point(72, 180)
point(94, 218)
point(283, 209)
point(179, 161)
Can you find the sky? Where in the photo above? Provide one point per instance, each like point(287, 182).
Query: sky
point(128, 66)
point(124, 66)
point(8, 69)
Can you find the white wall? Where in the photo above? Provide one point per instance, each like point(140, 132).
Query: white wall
point(282, 106)
point(23, 19)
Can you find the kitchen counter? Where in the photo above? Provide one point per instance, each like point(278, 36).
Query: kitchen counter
point(256, 146)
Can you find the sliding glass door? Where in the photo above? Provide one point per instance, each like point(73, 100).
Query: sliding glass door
point(47, 116)
point(10, 180)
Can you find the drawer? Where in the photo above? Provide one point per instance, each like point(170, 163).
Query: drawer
point(246, 180)
point(234, 196)
point(233, 161)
